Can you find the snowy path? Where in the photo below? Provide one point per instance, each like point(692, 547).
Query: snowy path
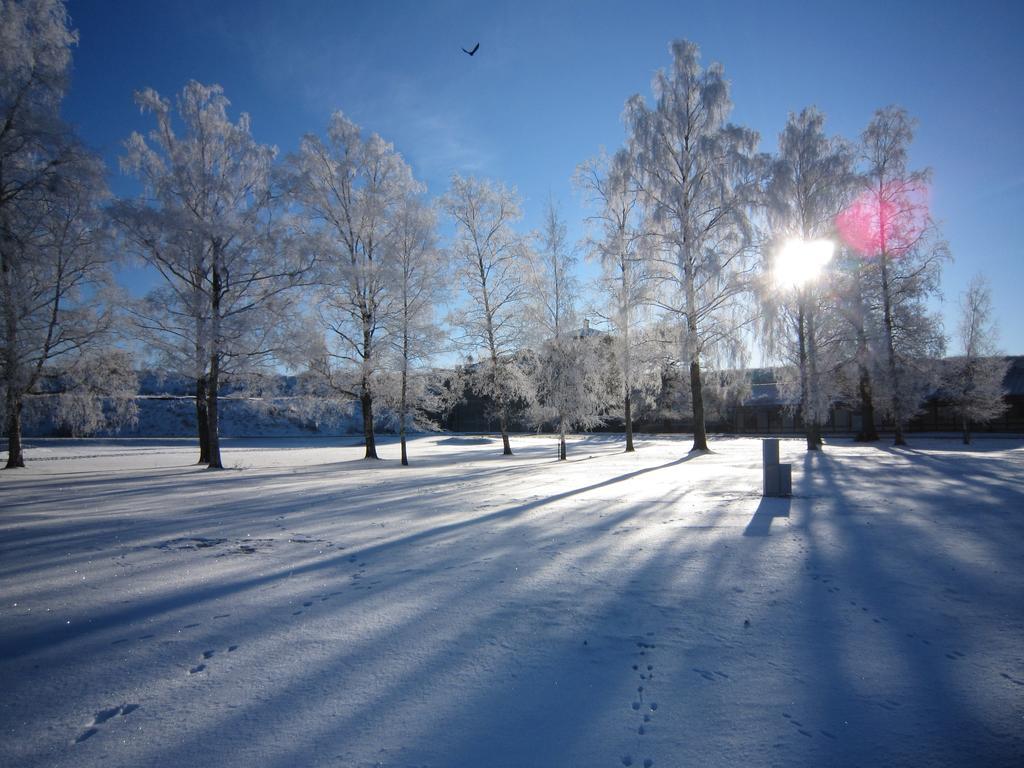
point(473, 610)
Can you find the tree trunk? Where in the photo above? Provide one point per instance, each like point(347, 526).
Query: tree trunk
point(966, 423)
point(629, 423)
point(868, 432)
point(213, 392)
point(202, 420)
point(212, 414)
point(366, 404)
point(403, 406)
point(700, 435)
point(15, 457)
point(506, 447)
point(805, 387)
point(561, 438)
point(814, 382)
point(890, 343)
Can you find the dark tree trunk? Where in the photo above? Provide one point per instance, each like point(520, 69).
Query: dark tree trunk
point(202, 420)
point(890, 343)
point(402, 409)
point(868, 432)
point(213, 391)
point(966, 424)
point(366, 403)
point(561, 438)
point(805, 386)
point(15, 457)
point(814, 384)
point(629, 424)
point(506, 447)
point(700, 435)
point(212, 414)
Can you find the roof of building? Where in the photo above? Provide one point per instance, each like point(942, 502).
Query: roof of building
point(1014, 380)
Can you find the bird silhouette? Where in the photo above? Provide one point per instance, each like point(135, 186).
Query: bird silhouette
point(473, 51)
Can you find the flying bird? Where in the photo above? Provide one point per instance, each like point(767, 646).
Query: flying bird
point(473, 51)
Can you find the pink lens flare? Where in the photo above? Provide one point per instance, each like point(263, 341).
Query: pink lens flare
point(889, 219)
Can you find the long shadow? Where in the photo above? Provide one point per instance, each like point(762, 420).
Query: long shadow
point(508, 669)
point(17, 646)
point(769, 509)
point(871, 583)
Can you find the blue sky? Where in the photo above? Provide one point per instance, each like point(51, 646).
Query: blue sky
point(547, 87)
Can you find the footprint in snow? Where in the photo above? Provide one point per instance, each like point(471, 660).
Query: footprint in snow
point(207, 655)
point(103, 716)
point(86, 734)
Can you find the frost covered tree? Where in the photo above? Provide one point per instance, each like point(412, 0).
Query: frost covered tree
point(492, 262)
point(209, 221)
point(350, 188)
point(810, 179)
point(568, 381)
point(889, 224)
point(973, 381)
point(420, 269)
point(698, 175)
point(858, 334)
point(55, 261)
point(620, 246)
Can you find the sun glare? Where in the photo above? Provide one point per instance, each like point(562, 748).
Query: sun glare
point(800, 262)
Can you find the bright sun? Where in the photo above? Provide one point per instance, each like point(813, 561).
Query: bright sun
point(800, 262)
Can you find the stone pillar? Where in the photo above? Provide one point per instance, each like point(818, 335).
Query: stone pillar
point(778, 478)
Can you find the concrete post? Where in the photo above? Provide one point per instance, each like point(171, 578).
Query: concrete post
point(778, 478)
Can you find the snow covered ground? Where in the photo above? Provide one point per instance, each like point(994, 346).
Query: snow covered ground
point(308, 608)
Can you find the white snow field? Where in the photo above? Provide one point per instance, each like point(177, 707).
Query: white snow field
point(310, 608)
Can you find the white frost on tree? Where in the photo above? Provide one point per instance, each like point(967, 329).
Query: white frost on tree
point(568, 380)
point(492, 262)
point(620, 244)
point(810, 181)
point(209, 220)
point(419, 286)
point(56, 286)
point(699, 175)
point(890, 226)
point(973, 381)
point(350, 188)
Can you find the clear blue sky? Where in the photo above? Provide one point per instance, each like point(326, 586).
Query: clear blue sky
point(547, 87)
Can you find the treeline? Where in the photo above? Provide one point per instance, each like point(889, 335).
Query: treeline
point(328, 262)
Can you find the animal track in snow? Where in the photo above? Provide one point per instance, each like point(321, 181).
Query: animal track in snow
point(646, 673)
point(207, 655)
point(709, 675)
point(103, 716)
point(828, 734)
